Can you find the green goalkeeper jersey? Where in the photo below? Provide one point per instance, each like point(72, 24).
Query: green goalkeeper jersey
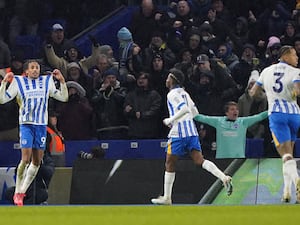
point(231, 135)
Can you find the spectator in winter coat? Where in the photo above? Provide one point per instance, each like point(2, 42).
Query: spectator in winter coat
point(142, 109)
point(108, 104)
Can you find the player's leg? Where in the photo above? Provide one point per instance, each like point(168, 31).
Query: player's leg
point(20, 176)
point(32, 170)
point(169, 179)
point(26, 140)
point(284, 131)
point(285, 152)
point(213, 169)
point(173, 149)
point(21, 170)
point(39, 145)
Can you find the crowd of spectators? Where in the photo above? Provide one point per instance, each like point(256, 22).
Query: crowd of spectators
point(220, 45)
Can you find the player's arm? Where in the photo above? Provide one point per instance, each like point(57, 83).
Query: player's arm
point(210, 120)
point(180, 113)
point(250, 120)
point(11, 92)
point(62, 94)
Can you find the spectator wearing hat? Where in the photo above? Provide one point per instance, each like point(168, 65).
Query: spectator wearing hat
point(158, 45)
point(71, 54)
point(107, 102)
point(75, 73)
point(128, 52)
point(242, 70)
point(224, 88)
point(271, 54)
point(57, 40)
point(142, 110)
point(74, 118)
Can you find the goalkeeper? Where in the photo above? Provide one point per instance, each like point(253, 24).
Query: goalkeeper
point(231, 130)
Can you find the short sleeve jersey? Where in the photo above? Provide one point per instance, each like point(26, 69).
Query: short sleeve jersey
point(277, 81)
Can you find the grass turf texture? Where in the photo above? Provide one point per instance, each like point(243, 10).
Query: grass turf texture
point(176, 214)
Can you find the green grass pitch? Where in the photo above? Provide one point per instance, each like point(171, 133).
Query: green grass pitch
point(149, 214)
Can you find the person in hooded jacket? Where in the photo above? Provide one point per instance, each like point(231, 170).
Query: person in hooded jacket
point(142, 109)
point(74, 118)
point(107, 102)
point(227, 56)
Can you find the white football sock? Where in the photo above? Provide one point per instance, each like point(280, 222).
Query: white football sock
point(168, 184)
point(20, 175)
point(287, 180)
point(291, 169)
point(212, 168)
point(30, 175)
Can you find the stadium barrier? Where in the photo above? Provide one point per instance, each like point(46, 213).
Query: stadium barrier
point(149, 152)
point(121, 149)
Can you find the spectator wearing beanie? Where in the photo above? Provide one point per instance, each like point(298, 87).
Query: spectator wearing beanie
point(128, 50)
point(271, 54)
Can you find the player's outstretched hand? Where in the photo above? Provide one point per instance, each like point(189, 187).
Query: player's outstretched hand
point(58, 75)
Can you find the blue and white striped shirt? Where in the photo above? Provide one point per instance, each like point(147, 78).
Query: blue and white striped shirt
point(184, 126)
point(277, 80)
point(32, 96)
